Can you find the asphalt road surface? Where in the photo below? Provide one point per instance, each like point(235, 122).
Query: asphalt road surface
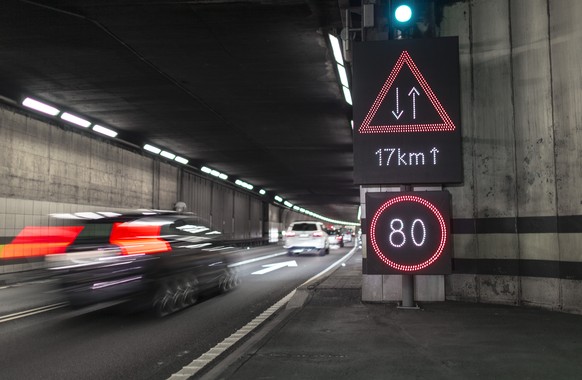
point(40, 338)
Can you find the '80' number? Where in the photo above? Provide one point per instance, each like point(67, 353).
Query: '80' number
point(398, 237)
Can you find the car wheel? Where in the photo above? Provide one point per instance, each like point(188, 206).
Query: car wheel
point(323, 251)
point(190, 290)
point(229, 280)
point(163, 301)
point(290, 253)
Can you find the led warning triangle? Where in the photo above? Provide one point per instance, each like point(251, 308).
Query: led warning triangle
point(445, 126)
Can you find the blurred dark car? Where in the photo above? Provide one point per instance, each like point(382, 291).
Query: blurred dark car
point(162, 261)
point(335, 237)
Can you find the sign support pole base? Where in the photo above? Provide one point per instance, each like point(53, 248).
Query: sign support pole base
point(408, 293)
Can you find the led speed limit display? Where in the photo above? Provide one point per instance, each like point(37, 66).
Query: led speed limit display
point(408, 233)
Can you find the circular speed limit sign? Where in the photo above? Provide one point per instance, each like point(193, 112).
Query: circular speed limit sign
point(408, 232)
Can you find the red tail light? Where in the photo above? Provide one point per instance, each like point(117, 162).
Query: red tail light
point(138, 239)
point(317, 234)
point(290, 234)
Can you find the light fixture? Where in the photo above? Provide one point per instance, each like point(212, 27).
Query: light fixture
point(104, 131)
point(337, 49)
point(262, 192)
point(168, 155)
point(41, 107)
point(75, 120)
point(403, 13)
point(151, 148)
point(343, 75)
point(348, 95)
point(278, 198)
point(222, 176)
point(244, 184)
point(205, 169)
point(288, 204)
point(181, 160)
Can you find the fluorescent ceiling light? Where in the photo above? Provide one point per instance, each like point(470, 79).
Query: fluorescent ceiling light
point(206, 169)
point(222, 176)
point(41, 107)
point(181, 160)
point(244, 184)
point(278, 198)
point(337, 49)
point(169, 155)
point(215, 173)
point(262, 192)
point(296, 208)
point(348, 95)
point(288, 204)
point(75, 120)
point(104, 131)
point(151, 148)
point(343, 75)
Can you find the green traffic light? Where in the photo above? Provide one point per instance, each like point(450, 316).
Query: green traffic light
point(403, 13)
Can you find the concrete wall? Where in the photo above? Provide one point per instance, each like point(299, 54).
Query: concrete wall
point(522, 112)
point(517, 218)
point(48, 168)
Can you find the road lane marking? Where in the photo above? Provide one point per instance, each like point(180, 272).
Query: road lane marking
point(28, 313)
point(202, 361)
point(197, 364)
point(257, 259)
point(271, 267)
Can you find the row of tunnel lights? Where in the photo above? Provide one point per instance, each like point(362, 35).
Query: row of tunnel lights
point(81, 122)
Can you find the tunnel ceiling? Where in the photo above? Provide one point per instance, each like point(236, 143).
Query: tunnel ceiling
point(245, 87)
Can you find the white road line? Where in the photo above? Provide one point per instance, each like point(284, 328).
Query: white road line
point(197, 364)
point(257, 259)
point(27, 313)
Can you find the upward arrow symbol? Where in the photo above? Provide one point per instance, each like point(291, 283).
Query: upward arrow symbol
point(414, 92)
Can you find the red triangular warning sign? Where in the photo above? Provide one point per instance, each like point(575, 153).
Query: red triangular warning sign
point(445, 126)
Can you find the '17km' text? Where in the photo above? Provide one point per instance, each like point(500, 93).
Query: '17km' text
point(396, 157)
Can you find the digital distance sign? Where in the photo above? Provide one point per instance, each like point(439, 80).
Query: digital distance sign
point(406, 104)
point(408, 233)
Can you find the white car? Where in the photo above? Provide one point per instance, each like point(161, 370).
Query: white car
point(306, 237)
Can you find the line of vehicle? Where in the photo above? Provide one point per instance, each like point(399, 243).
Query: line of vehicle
point(199, 363)
point(28, 313)
point(244, 262)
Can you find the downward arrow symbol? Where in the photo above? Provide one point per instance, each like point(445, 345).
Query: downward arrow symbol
point(272, 267)
point(398, 112)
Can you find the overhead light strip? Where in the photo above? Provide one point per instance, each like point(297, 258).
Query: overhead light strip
point(104, 131)
point(77, 120)
point(40, 106)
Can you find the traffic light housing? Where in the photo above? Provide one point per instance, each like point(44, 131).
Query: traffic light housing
point(412, 18)
point(402, 14)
